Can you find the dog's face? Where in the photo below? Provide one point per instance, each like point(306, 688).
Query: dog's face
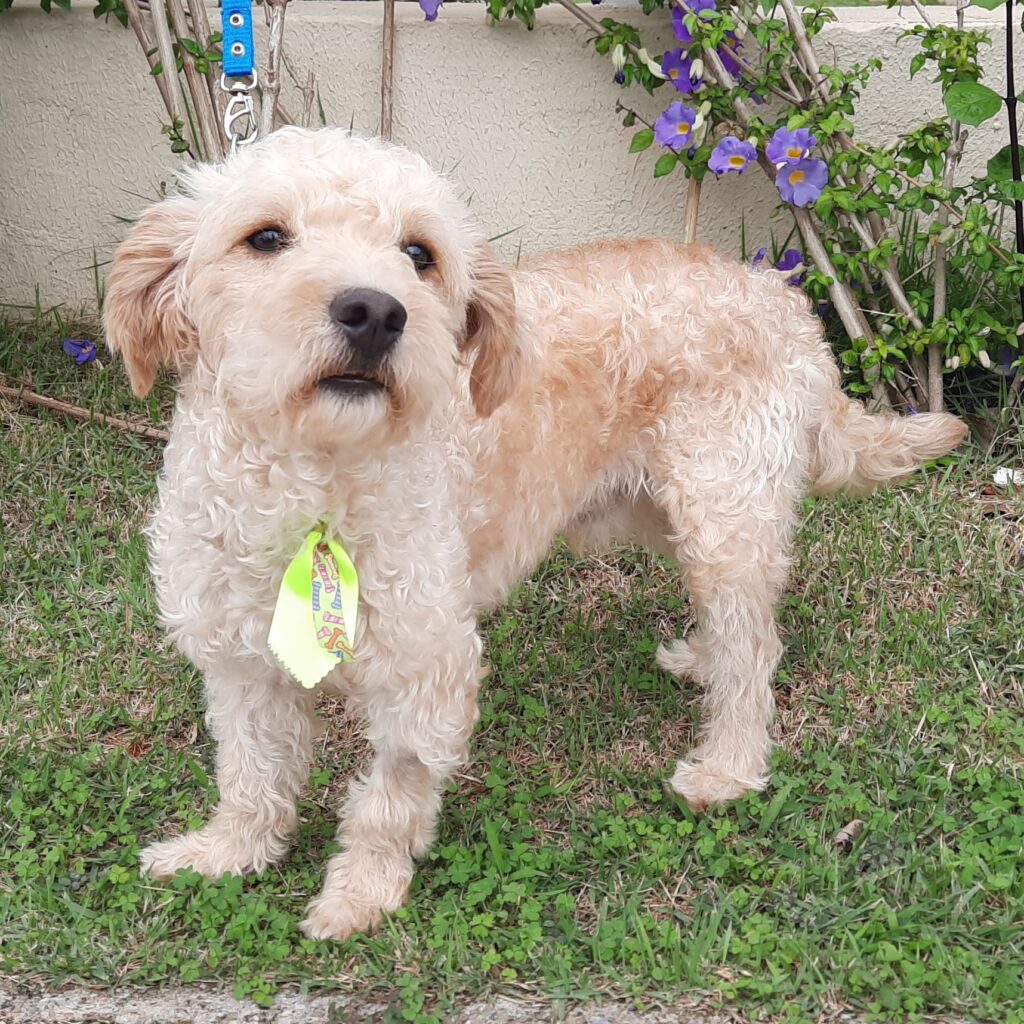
point(320, 284)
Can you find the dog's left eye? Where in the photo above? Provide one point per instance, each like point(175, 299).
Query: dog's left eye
point(421, 256)
point(267, 239)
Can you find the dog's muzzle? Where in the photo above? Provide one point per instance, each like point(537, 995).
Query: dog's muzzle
point(371, 322)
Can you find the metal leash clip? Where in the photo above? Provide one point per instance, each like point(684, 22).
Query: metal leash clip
point(240, 113)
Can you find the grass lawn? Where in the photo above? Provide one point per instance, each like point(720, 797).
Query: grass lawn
point(562, 869)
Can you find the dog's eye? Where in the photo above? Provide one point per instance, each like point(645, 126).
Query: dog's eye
point(421, 256)
point(267, 240)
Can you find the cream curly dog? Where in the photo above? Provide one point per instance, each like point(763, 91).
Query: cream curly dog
point(351, 353)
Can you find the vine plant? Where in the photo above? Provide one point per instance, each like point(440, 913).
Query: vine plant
point(906, 263)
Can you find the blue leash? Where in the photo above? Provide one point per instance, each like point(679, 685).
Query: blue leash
point(239, 71)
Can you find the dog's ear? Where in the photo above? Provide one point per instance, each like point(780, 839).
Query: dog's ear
point(142, 309)
point(491, 334)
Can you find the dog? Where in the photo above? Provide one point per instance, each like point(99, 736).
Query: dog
point(352, 354)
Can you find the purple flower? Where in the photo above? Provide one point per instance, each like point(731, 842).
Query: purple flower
point(801, 183)
point(82, 350)
point(759, 256)
point(679, 71)
point(683, 34)
point(675, 126)
point(790, 260)
point(430, 8)
point(786, 147)
point(619, 78)
point(731, 154)
point(725, 52)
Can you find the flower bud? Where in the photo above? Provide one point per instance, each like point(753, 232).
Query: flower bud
point(696, 69)
point(652, 65)
point(984, 359)
point(618, 56)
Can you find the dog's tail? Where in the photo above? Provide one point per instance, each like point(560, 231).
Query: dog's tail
point(858, 452)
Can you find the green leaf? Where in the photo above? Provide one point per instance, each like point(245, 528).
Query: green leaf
point(988, 5)
point(971, 102)
point(641, 141)
point(1011, 189)
point(1000, 167)
point(666, 163)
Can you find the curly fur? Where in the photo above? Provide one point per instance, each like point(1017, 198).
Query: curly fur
point(626, 391)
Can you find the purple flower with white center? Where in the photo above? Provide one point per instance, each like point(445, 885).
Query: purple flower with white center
point(675, 126)
point(679, 71)
point(683, 34)
point(786, 147)
point(790, 260)
point(731, 155)
point(82, 350)
point(801, 183)
point(430, 8)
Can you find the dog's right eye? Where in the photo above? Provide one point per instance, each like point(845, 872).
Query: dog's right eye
point(267, 240)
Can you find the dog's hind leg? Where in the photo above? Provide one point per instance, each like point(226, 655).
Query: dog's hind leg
point(262, 722)
point(419, 729)
point(732, 507)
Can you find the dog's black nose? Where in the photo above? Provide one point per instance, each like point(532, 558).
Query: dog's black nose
point(372, 320)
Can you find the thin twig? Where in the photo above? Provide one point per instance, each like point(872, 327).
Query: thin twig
point(272, 83)
point(26, 397)
point(925, 16)
point(148, 48)
point(218, 98)
point(202, 107)
point(387, 70)
point(169, 72)
point(691, 209)
point(954, 216)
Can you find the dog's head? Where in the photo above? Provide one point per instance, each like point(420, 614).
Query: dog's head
point(324, 280)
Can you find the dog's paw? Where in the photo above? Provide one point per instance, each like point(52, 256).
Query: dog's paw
point(210, 852)
point(702, 786)
point(361, 887)
point(337, 916)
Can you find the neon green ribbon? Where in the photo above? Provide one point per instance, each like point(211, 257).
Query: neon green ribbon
point(314, 624)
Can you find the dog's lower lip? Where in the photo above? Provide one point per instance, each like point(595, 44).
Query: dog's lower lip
point(351, 384)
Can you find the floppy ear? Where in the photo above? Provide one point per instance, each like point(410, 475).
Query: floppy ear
point(491, 334)
point(142, 313)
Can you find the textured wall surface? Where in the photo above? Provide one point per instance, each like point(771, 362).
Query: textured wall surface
point(524, 122)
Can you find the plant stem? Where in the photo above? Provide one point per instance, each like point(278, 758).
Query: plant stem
point(27, 397)
point(202, 107)
point(139, 27)
point(169, 72)
point(218, 100)
point(272, 86)
point(1011, 114)
point(691, 209)
point(387, 70)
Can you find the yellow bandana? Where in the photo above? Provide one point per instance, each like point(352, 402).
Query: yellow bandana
point(314, 622)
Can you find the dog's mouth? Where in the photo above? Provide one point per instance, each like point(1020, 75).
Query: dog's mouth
point(351, 385)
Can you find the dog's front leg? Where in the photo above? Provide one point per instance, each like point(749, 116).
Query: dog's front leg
point(420, 731)
point(262, 722)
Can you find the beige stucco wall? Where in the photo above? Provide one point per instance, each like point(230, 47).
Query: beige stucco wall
point(524, 122)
